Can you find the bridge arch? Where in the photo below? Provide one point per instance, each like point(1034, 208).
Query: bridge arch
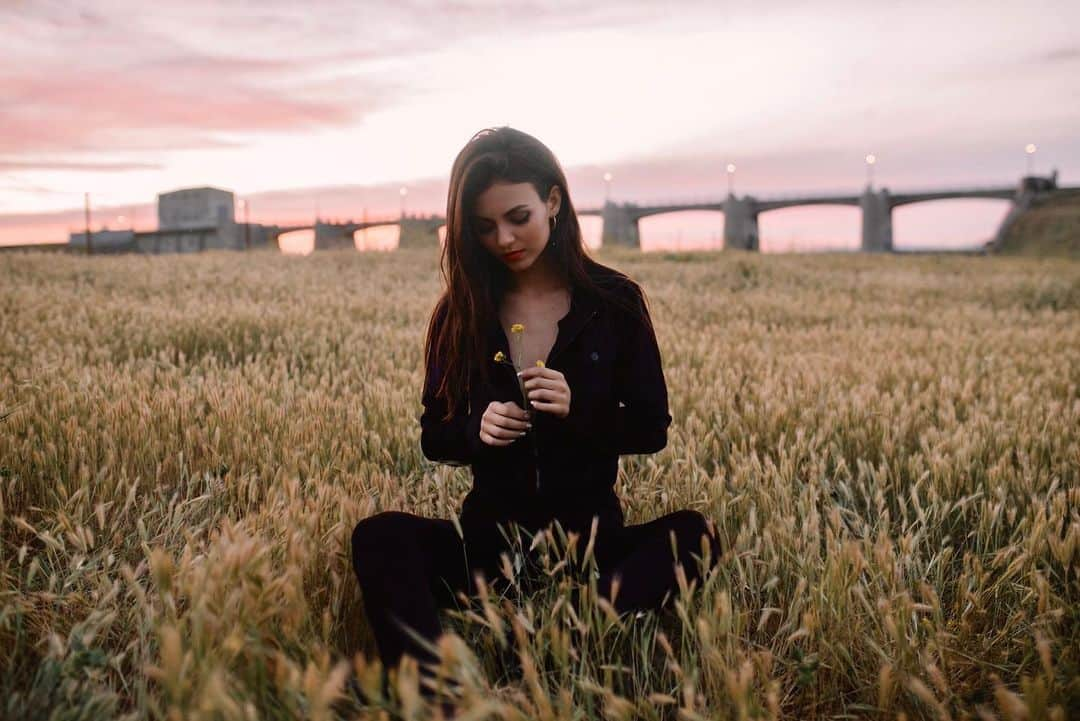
point(948, 223)
point(809, 227)
point(592, 230)
point(297, 242)
point(382, 237)
point(682, 230)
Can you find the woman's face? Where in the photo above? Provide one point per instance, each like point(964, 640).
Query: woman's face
point(512, 222)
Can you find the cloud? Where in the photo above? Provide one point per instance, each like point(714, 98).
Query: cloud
point(251, 95)
point(93, 82)
point(76, 166)
point(1061, 55)
point(194, 102)
point(201, 74)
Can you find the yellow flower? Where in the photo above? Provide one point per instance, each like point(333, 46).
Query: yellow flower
point(517, 328)
point(500, 357)
point(539, 364)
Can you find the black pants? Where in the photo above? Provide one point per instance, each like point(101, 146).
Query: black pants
point(410, 566)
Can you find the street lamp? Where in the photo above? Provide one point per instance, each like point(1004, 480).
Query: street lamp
point(870, 160)
point(403, 192)
point(731, 179)
point(607, 187)
point(1030, 150)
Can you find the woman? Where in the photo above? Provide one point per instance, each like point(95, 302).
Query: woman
point(513, 256)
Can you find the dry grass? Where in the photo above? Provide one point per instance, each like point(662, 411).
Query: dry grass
point(890, 448)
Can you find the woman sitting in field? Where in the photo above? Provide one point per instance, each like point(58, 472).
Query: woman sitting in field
point(515, 268)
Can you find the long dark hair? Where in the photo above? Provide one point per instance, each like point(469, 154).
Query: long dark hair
point(476, 281)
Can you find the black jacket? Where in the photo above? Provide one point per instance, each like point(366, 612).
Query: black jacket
point(563, 468)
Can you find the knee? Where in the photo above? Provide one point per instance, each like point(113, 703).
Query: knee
point(373, 539)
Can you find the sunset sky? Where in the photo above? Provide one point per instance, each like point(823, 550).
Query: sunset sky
point(336, 105)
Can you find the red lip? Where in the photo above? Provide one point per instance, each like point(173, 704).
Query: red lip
point(515, 254)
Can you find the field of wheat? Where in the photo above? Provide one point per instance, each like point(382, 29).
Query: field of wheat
point(889, 447)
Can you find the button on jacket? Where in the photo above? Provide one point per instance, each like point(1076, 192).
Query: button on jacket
point(563, 468)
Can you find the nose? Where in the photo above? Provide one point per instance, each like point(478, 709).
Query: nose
point(506, 236)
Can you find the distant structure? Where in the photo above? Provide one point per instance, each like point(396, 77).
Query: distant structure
point(620, 221)
point(195, 208)
point(196, 219)
point(189, 220)
point(105, 241)
point(415, 231)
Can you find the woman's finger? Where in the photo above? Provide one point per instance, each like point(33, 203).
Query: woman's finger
point(541, 373)
point(552, 383)
point(549, 407)
point(508, 422)
point(493, 441)
point(544, 394)
point(511, 409)
point(504, 433)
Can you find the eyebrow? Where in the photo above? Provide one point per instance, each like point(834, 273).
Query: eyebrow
point(507, 213)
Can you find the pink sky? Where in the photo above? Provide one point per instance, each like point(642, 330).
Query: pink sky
point(336, 105)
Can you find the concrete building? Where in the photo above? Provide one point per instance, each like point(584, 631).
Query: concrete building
point(194, 219)
point(189, 220)
point(104, 241)
point(195, 209)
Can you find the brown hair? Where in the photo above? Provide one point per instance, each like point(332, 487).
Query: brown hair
point(475, 281)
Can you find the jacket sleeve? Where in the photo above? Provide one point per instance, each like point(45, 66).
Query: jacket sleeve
point(455, 442)
point(642, 417)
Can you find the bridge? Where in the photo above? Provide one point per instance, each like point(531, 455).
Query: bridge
point(415, 231)
point(741, 213)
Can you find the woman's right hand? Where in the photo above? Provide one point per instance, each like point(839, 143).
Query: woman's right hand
point(503, 423)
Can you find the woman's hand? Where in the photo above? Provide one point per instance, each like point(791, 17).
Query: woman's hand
point(503, 423)
point(547, 390)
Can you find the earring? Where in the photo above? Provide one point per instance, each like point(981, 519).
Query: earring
point(554, 222)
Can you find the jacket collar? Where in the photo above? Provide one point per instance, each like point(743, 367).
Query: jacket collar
point(583, 306)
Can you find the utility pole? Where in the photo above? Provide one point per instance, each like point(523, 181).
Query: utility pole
point(86, 208)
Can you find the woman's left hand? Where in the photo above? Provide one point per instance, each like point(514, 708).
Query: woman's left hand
point(547, 390)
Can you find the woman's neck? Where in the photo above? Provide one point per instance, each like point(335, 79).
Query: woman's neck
point(539, 279)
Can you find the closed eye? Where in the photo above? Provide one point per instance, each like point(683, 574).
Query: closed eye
point(481, 227)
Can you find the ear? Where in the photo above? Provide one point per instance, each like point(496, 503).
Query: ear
point(554, 201)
